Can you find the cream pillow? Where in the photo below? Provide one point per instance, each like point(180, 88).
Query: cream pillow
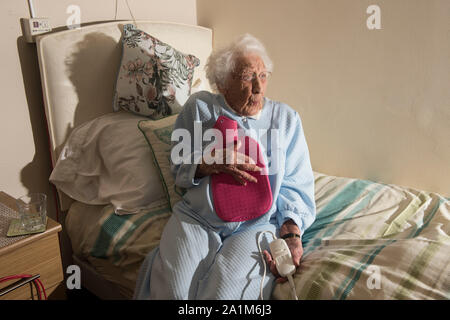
point(107, 161)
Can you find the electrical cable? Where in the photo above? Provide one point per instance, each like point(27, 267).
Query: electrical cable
point(34, 283)
point(37, 283)
point(38, 290)
point(131, 13)
point(31, 7)
point(292, 285)
point(42, 287)
point(31, 289)
point(15, 276)
point(264, 262)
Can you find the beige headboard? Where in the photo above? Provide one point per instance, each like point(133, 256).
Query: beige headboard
point(79, 68)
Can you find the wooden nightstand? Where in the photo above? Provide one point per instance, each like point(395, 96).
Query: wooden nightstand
point(31, 254)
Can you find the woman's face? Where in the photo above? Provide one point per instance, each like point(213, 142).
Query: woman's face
point(245, 87)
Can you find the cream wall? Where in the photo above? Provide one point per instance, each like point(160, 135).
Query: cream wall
point(375, 104)
point(24, 160)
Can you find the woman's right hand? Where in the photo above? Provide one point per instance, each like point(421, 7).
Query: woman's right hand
point(233, 163)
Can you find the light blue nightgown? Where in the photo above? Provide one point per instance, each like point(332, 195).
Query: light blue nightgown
point(201, 256)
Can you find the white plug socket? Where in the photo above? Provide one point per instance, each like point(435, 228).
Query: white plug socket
point(32, 27)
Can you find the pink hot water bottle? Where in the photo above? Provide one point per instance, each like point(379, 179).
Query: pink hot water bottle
point(234, 202)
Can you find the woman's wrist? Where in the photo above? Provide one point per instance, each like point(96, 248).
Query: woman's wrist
point(291, 235)
point(289, 227)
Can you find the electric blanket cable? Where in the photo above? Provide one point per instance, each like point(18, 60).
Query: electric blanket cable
point(292, 285)
point(264, 262)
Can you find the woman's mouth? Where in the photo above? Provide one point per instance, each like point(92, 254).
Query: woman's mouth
point(254, 101)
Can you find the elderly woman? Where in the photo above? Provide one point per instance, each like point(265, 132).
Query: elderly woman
point(202, 255)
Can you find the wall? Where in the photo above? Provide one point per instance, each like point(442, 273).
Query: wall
point(375, 104)
point(24, 161)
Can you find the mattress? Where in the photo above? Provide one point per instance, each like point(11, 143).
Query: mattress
point(369, 241)
point(114, 245)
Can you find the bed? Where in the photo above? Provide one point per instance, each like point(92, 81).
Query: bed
point(369, 241)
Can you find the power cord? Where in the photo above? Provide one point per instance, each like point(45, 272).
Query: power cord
point(283, 261)
point(37, 283)
point(264, 262)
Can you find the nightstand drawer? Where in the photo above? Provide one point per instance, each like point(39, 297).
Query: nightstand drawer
point(34, 254)
point(41, 256)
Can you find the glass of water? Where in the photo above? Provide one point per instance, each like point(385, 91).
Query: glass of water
point(33, 211)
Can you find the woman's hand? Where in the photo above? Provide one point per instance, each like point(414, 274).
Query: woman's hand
point(233, 162)
point(295, 246)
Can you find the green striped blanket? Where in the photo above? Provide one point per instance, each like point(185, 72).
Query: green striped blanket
point(374, 241)
point(369, 241)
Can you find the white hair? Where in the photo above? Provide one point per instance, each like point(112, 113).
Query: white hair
point(221, 62)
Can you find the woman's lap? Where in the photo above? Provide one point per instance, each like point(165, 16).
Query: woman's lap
point(237, 270)
point(194, 262)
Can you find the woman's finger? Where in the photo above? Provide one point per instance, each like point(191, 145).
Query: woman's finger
point(247, 176)
point(271, 263)
point(267, 256)
point(248, 167)
point(273, 267)
point(240, 176)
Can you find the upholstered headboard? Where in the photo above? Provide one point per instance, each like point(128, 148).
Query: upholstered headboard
point(79, 68)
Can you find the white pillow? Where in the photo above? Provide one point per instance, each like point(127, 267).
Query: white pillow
point(108, 161)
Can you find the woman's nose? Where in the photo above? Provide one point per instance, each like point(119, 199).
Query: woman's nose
point(256, 85)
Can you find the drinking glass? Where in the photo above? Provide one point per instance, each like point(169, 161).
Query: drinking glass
point(33, 211)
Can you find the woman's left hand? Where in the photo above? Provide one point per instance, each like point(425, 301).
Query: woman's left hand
point(295, 246)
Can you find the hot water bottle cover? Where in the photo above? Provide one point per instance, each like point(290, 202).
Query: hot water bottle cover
point(234, 202)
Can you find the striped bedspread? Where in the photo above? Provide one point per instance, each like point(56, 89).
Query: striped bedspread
point(374, 241)
point(369, 241)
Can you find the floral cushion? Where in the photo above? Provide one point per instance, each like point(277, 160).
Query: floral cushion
point(154, 79)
